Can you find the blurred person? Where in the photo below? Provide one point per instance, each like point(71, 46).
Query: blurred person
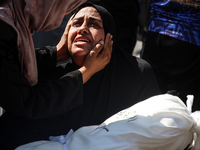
point(172, 46)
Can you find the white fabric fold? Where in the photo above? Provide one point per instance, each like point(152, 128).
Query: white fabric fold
point(162, 122)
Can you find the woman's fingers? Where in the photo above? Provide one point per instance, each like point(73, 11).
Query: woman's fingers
point(97, 49)
point(62, 52)
point(67, 28)
point(108, 45)
point(102, 49)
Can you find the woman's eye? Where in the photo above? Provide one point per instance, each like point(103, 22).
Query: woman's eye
point(77, 23)
point(94, 24)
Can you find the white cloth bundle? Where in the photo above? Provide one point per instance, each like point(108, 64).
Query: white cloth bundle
point(161, 122)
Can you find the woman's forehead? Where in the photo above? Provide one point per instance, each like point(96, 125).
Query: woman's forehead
point(89, 12)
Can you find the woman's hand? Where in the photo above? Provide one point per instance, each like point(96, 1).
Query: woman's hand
point(97, 59)
point(62, 52)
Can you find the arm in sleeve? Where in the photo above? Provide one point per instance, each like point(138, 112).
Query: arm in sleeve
point(46, 99)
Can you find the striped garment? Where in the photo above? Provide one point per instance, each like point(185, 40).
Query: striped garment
point(176, 18)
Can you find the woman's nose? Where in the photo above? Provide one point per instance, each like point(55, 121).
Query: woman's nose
point(83, 29)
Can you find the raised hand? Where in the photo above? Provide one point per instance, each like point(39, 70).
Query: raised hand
point(97, 58)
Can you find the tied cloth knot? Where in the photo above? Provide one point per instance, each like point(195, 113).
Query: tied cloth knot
point(62, 139)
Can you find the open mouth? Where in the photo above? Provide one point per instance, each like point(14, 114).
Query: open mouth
point(82, 40)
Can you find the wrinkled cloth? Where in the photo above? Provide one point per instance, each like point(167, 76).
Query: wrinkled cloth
point(29, 16)
point(160, 122)
point(177, 19)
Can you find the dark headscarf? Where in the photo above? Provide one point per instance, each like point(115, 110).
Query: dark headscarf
point(107, 19)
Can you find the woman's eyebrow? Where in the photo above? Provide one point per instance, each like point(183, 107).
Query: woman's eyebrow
point(95, 19)
point(78, 18)
point(91, 18)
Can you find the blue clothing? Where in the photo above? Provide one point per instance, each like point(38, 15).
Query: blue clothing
point(176, 18)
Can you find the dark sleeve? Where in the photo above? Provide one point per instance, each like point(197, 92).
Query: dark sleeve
point(46, 61)
point(46, 99)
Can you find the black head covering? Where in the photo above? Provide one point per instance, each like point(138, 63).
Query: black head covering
point(107, 19)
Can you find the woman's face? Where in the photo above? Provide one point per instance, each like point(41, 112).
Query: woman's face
point(85, 32)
